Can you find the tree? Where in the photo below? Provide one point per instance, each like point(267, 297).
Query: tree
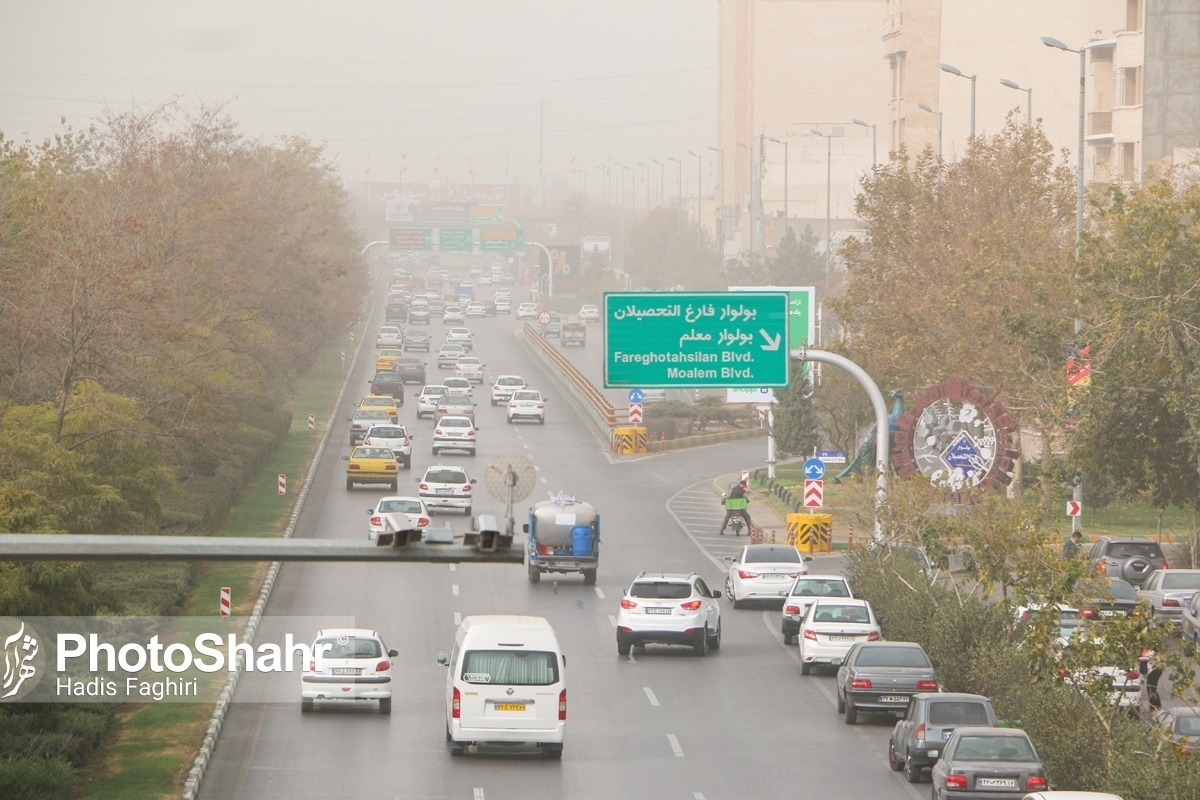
point(795, 428)
point(662, 254)
point(797, 261)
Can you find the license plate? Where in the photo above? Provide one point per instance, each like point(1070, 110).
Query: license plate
point(1108, 613)
point(773, 577)
point(658, 611)
point(564, 564)
point(995, 783)
point(843, 638)
point(346, 671)
point(893, 698)
point(508, 706)
point(442, 491)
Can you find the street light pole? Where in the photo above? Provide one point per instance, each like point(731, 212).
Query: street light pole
point(679, 185)
point(643, 166)
point(828, 195)
point(957, 72)
point(721, 216)
point(1028, 99)
point(660, 180)
point(925, 107)
point(874, 158)
point(699, 174)
point(787, 224)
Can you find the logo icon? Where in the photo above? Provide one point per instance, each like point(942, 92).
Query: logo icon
point(23, 659)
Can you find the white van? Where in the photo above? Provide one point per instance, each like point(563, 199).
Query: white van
point(506, 685)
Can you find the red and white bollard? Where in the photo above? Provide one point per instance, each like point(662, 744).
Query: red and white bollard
point(312, 421)
point(283, 484)
point(225, 601)
point(343, 358)
point(850, 540)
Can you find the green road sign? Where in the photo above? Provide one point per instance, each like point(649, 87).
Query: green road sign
point(695, 340)
point(410, 239)
point(501, 239)
point(459, 240)
point(487, 214)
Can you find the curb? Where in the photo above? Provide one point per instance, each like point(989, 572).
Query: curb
point(599, 426)
point(191, 784)
point(714, 438)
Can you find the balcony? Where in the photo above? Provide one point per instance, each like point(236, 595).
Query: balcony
point(891, 24)
point(1099, 123)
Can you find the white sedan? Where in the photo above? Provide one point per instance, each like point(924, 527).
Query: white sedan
point(469, 367)
point(831, 627)
point(460, 336)
point(763, 572)
point(355, 664)
point(589, 313)
point(527, 404)
point(389, 336)
point(504, 387)
point(396, 513)
point(527, 311)
point(476, 309)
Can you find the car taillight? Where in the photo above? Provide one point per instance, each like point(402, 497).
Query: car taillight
point(1088, 613)
point(496, 388)
point(422, 522)
point(1169, 603)
point(353, 466)
point(956, 781)
point(810, 634)
point(1133, 675)
point(407, 442)
point(625, 601)
point(467, 487)
point(1101, 567)
point(792, 610)
point(1164, 564)
point(543, 549)
point(562, 705)
point(1035, 782)
point(691, 605)
point(744, 575)
point(512, 405)
point(387, 467)
point(377, 521)
point(470, 433)
point(374, 388)
point(383, 666)
point(367, 440)
point(860, 683)
point(927, 686)
point(437, 431)
point(540, 405)
point(456, 704)
point(422, 486)
point(312, 666)
point(919, 735)
point(873, 636)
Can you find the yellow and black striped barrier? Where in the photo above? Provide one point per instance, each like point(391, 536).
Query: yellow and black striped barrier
point(810, 532)
point(630, 441)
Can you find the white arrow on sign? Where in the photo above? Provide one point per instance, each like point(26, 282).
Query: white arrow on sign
point(772, 344)
point(814, 493)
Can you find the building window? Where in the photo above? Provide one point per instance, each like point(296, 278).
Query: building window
point(1133, 15)
point(1129, 170)
point(902, 130)
point(1102, 166)
point(1131, 86)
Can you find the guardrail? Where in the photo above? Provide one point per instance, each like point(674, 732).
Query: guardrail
point(594, 397)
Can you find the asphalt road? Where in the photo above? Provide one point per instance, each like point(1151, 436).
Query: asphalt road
point(740, 723)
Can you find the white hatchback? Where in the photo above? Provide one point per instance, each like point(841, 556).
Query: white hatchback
point(469, 367)
point(395, 438)
point(427, 400)
point(389, 336)
point(355, 664)
point(763, 572)
point(503, 305)
point(504, 387)
point(831, 627)
point(527, 404)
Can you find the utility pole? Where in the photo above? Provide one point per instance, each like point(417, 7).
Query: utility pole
point(541, 151)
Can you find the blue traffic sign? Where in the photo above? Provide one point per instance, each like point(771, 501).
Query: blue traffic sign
point(635, 395)
point(814, 469)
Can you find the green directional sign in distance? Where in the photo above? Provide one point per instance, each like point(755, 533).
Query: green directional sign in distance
point(695, 340)
point(458, 240)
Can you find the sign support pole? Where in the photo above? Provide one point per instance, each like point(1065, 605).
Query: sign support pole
point(882, 424)
point(549, 268)
point(771, 441)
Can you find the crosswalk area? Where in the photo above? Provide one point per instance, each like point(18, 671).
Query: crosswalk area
point(699, 509)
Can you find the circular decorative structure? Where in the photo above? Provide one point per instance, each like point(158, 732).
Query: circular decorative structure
point(958, 437)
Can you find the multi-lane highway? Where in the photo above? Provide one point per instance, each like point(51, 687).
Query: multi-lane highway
point(664, 723)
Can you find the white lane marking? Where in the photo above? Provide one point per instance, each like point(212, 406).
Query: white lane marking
point(453, 567)
point(675, 745)
point(524, 445)
point(697, 795)
point(454, 590)
point(543, 480)
point(612, 620)
point(478, 793)
point(650, 695)
point(458, 618)
point(718, 563)
point(536, 468)
point(772, 623)
point(599, 593)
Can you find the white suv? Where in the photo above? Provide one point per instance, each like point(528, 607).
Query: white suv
point(527, 404)
point(393, 437)
point(446, 487)
point(355, 665)
point(665, 608)
point(503, 388)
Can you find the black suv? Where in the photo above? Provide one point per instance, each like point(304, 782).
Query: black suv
point(388, 383)
point(410, 369)
point(918, 738)
point(1130, 560)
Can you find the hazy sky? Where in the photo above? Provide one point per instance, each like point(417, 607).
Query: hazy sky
point(455, 79)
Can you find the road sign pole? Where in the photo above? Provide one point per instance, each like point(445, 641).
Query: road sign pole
point(883, 439)
point(771, 443)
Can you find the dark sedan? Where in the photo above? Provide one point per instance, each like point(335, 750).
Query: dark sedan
point(416, 340)
point(410, 369)
point(997, 763)
point(1118, 600)
point(388, 383)
point(881, 676)
point(931, 717)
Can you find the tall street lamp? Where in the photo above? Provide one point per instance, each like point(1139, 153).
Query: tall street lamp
point(643, 166)
point(925, 107)
point(957, 72)
point(874, 158)
point(828, 193)
point(660, 180)
point(679, 184)
point(1028, 99)
point(632, 183)
point(699, 173)
point(787, 223)
point(1077, 494)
